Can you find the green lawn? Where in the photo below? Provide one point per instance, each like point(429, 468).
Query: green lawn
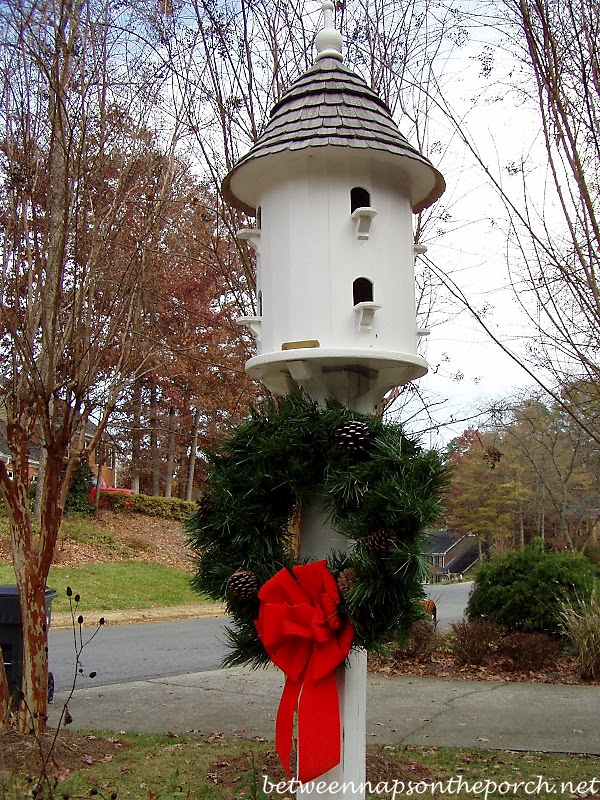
point(117, 585)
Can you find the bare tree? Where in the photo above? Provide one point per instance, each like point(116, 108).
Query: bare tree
point(84, 186)
point(560, 461)
point(550, 193)
point(530, 471)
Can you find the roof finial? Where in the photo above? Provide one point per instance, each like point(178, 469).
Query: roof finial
point(329, 40)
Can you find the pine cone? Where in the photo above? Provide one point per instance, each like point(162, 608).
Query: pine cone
point(381, 542)
point(346, 580)
point(243, 584)
point(353, 434)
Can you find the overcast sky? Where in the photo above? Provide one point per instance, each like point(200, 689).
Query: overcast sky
point(467, 368)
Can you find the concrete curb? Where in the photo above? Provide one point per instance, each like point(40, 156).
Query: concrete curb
point(63, 621)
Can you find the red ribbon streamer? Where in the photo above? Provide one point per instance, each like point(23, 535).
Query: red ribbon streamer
point(306, 638)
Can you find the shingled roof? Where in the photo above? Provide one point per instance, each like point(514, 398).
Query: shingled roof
point(331, 105)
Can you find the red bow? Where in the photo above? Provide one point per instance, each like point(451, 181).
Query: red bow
point(305, 637)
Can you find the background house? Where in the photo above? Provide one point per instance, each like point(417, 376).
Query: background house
point(450, 554)
point(101, 459)
point(5, 454)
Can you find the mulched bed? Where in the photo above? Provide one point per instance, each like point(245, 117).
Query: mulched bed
point(441, 664)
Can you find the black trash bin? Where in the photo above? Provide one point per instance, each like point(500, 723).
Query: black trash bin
point(11, 637)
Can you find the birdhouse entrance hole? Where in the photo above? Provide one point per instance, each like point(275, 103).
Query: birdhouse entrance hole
point(362, 291)
point(359, 198)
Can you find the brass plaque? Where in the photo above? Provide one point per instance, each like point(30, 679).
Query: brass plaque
point(300, 345)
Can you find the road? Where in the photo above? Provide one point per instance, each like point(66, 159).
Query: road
point(188, 694)
point(125, 653)
point(451, 600)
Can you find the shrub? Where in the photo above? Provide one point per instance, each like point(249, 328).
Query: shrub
point(116, 501)
point(422, 641)
point(592, 552)
point(522, 590)
point(580, 622)
point(474, 640)
point(164, 507)
point(530, 651)
point(77, 496)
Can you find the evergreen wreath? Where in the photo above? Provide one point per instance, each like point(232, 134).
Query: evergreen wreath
point(380, 488)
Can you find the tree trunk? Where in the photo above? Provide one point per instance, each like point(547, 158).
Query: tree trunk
point(100, 460)
point(521, 526)
point(32, 562)
point(521, 531)
point(192, 460)
point(154, 454)
point(4, 693)
point(170, 453)
point(34, 706)
point(541, 516)
point(136, 436)
point(37, 503)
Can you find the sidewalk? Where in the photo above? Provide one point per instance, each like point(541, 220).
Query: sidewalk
point(401, 710)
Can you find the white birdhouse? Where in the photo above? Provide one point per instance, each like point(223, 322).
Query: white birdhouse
point(333, 185)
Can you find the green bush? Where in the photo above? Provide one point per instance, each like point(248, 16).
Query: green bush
point(592, 552)
point(77, 496)
point(164, 507)
point(523, 590)
point(116, 501)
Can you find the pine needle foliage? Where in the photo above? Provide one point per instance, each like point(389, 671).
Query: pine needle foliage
point(286, 453)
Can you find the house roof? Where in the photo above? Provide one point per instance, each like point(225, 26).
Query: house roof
point(6, 455)
point(463, 560)
point(4, 451)
point(440, 542)
point(331, 105)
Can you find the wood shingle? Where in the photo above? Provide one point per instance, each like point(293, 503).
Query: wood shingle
point(329, 105)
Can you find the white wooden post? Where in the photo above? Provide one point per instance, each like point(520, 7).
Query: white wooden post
point(318, 539)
